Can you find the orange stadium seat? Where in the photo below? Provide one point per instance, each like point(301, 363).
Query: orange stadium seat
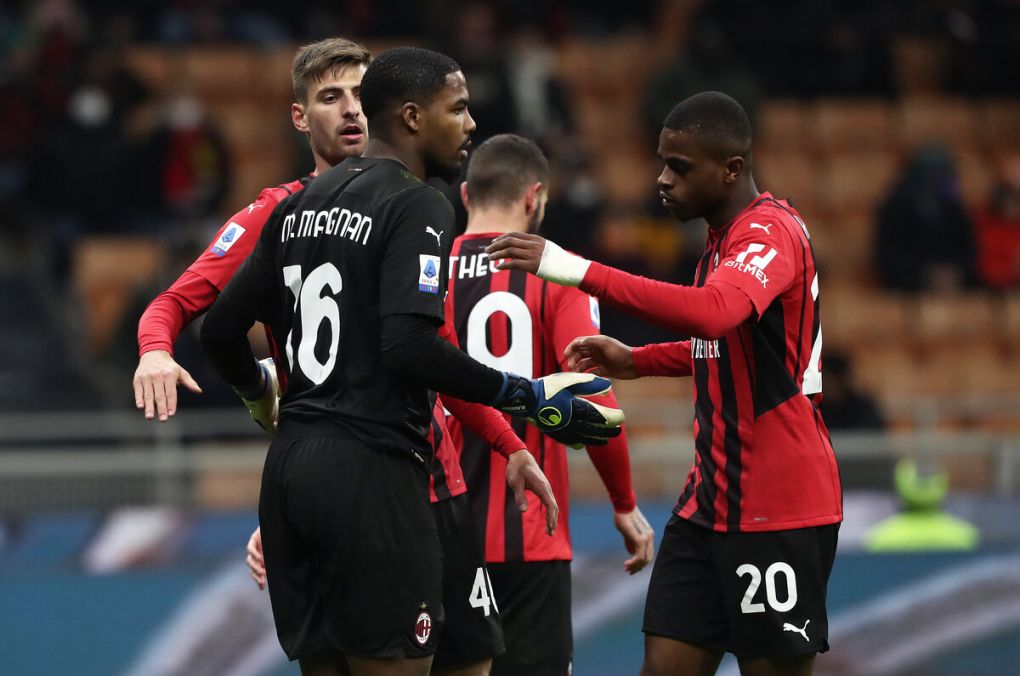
point(950, 122)
point(976, 171)
point(107, 272)
point(854, 316)
point(857, 125)
point(889, 370)
point(629, 178)
point(857, 180)
point(940, 319)
point(785, 124)
point(843, 243)
point(221, 72)
point(1000, 124)
point(790, 175)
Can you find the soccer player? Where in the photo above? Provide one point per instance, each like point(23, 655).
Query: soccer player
point(349, 276)
point(515, 321)
point(744, 562)
point(326, 78)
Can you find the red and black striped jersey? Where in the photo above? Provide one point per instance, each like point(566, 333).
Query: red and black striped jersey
point(445, 477)
point(764, 460)
point(516, 322)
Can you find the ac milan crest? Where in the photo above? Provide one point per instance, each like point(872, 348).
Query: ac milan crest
point(423, 628)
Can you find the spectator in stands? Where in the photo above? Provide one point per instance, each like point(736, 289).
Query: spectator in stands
point(998, 235)
point(922, 525)
point(543, 111)
point(479, 48)
point(925, 239)
point(186, 163)
point(844, 407)
point(707, 64)
point(82, 174)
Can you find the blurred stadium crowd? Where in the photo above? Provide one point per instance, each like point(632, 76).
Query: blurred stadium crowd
point(130, 131)
point(128, 135)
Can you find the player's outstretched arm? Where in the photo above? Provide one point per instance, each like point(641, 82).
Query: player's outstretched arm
point(155, 384)
point(524, 474)
point(556, 404)
point(638, 538)
point(601, 355)
point(254, 559)
point(709, 311)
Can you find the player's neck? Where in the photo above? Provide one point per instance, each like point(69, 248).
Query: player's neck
point(493, 220)
point(741, 198)
point(380, 149)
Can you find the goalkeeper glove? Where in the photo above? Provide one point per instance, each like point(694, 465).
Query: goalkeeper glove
point(555, 404)
point(264, 402)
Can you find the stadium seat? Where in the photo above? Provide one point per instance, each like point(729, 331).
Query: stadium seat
point(221, 72)
point(857, 125)
point(107, 272)
point(791, 174)
point(976, 171)
point(852, 315)
point(629, 177)
point(843, 244)
point(940, 318)
point(950, 122)
point(1000, 124)
point(857, 180)
point(785, 124)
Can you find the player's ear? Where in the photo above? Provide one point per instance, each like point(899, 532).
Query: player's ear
point(734, 167)
point(297, 117)
point(464, 195)
point(411, 115)
point(533, 198)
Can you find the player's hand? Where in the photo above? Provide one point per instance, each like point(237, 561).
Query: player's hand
point(523, 473)
point(555, 404)
point(265, 407)
point(256, 563)
point(638, 537)
point(155, 384)
point(537, 255)
point(601, 355)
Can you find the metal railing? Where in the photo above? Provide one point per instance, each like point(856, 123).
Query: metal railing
point(103, 459)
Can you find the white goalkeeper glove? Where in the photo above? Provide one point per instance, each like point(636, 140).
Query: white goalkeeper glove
point(264, 406)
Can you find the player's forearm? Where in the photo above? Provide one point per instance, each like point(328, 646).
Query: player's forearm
point(412, 347)
point(225, 341)
point(171, 311)
point(664, 359)
point(486, 422)
point(612, 462)
point(709, 312)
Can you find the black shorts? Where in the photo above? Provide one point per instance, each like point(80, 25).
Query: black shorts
point(534, 604)
point(752, 594)
point(472, 631)
point(352, 554)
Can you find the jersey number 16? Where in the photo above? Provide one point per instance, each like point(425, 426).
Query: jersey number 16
point(313, 307)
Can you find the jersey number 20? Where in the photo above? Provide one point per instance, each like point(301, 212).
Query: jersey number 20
point(312, 307)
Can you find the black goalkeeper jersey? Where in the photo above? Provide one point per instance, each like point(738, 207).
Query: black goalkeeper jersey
point(364, 240)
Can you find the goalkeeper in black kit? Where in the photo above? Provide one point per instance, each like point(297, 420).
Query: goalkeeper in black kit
point(350, 275)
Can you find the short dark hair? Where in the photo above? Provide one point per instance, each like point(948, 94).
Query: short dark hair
point(717, 118)
point(403, 74)
point(318, 59)
point(503, 167)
